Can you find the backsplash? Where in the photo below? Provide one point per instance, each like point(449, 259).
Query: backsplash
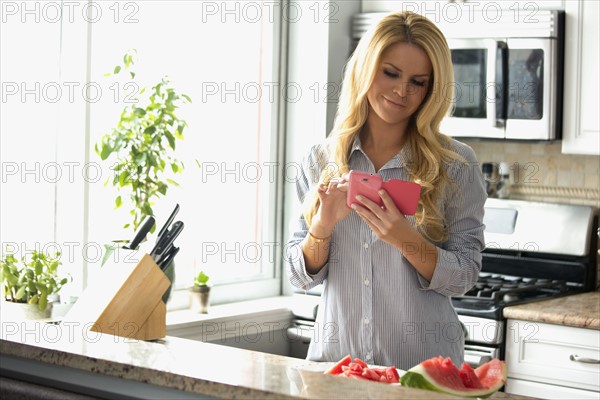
point(539, 172)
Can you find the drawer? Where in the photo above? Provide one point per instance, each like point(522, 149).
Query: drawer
point(546, 391)
point(542, 353)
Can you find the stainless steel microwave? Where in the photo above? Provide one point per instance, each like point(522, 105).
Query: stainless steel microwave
point(508, 74)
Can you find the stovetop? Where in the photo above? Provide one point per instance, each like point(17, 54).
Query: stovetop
point(493, 292)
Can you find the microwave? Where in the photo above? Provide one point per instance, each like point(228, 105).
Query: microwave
point(508, 74)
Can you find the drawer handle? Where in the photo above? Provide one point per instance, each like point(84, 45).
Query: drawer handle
point(585, 360)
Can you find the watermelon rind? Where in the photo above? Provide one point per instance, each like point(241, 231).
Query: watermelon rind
point(418, 378)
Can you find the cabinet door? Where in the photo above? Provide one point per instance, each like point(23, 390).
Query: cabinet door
point(581, 125)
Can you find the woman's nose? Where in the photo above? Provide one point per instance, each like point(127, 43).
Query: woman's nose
point(401, 89)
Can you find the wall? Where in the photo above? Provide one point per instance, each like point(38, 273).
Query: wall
point(540, 172)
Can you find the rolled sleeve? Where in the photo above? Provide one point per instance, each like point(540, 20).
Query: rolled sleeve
point(459, 258)
point(298, 276)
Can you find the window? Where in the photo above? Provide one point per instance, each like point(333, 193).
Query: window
point(224, 55)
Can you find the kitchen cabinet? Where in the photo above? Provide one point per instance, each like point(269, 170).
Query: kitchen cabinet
point(542, 361)
point(581, 123)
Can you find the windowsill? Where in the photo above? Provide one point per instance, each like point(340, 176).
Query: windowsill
point(271, 307)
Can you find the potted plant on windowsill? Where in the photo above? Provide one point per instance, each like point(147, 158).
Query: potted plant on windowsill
point(143, 145)
point(30, 288)
point(200, 293)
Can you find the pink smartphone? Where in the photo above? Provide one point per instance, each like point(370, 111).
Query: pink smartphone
point(405, 194)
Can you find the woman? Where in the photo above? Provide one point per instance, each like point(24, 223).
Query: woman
point(388, 278)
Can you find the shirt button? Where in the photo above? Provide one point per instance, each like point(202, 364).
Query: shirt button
point(366, 282)
point(366, 321)
point(366, 245)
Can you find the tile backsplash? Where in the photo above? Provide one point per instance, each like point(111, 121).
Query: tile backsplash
point(540, 172)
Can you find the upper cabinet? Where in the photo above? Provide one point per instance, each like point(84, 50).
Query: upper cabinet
point(581, 121)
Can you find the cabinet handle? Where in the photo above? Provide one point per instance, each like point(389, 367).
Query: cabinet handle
point(585, 360)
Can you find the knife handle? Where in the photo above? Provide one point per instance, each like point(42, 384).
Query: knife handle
point(169, 221)
point(164, 264)
point(141, 233)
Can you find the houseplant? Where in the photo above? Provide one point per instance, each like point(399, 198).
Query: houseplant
point(32, 283)
point(143, 145)
point(200, 293)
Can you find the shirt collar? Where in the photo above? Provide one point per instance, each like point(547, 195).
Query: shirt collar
point(402, 159)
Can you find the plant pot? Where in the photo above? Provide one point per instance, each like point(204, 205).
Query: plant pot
point(199, 299)
point(12, 312)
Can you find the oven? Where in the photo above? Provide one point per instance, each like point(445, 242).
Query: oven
point(534, 251)
point(508, 73)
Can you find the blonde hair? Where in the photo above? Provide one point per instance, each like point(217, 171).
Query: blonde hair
point(430, 149)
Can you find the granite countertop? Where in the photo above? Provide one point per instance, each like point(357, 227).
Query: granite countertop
point(192, 366)
point(580, 311)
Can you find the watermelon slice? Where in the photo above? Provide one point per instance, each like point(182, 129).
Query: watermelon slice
point(441, 375)
point(358, 369)
point(337, 368)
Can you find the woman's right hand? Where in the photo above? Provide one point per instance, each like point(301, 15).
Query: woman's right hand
point(333, 207)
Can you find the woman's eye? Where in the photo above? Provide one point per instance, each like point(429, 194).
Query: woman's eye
point(389, 73)
point(418, 83)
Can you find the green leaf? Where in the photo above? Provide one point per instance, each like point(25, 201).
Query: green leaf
point(170, 139)
point(118, 202)
point(162, 188)
point(185, 96)
point(38, 267)
point(139, 111)
point(11, 278)
point(20, 293)
point(42, 288)
point(123, 176)
point(106, 150)
point(117, 69)
point(132, 74)
point(43, 302)
point(150, 130)
point(147, 209)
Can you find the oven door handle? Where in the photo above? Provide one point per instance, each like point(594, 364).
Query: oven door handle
point(585, 360)
point(496, 88)
point(475, 360)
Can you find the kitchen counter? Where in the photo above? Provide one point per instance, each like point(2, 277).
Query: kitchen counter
point(184, 366)
point(580, 311)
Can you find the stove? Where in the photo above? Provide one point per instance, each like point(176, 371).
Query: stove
point(534, 251)
point(493, 291)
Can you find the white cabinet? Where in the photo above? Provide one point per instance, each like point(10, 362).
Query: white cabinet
point(552, 361)
point(581, 124)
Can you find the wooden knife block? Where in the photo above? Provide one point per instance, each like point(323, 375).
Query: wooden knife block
point(126, 300)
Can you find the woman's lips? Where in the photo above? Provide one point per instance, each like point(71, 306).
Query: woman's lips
point(393, 104)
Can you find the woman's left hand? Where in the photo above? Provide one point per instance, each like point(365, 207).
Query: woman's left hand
point(387, 222)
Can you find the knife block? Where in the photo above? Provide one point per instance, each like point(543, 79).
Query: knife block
point(126, 299)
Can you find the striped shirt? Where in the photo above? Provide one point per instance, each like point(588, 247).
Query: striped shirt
point(374, 304)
